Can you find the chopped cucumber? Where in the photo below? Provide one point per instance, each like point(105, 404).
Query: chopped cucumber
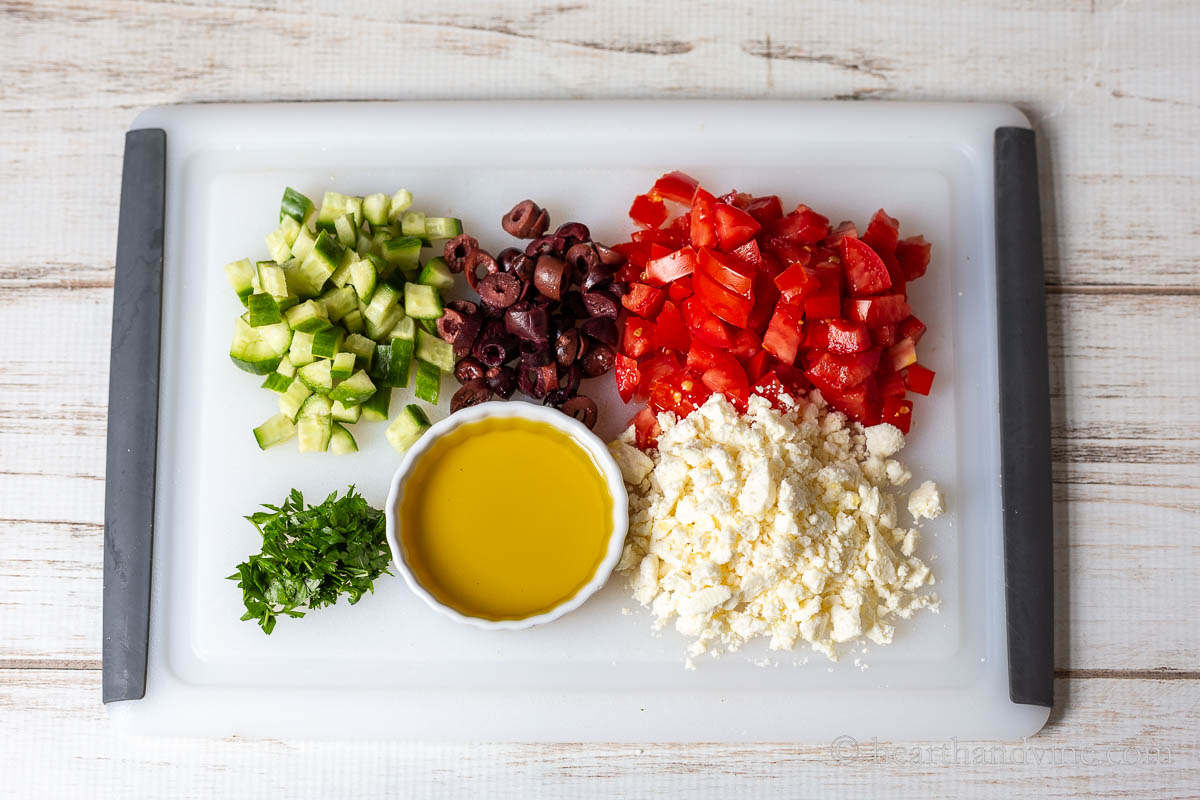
point(277, 383)
point(433, 350)
point(314, 424)
point(294, 205)
point(343, 413)
point(340, 440)
point(393, 362)
point(353, 322)
point(354, 209)
point(404, 253)
point(362, 348)
point(333, 205)
point(375, 407)
point(429, 382)
point(442, 227)
point(291, 400)
point(276, 430)
point(429, 326)
point(241, 276)
point(365, 245)
point(404, 329)
point(308, 317)
point(290, 229)
point(328, 342)
point(352, 391)
point(413, 224)
point(343, 366)
point(347, 234)
point(301, 351)
point(401, 202)
point(375, 208)
point(271, 279)
point(286, 368)
point(437, 274)
point(259, 350)
point(421, 301)
point(362, 278)
point(341, 275)
point(339, 302)
point(318, 266)
point(303, 244)
point(407, 428)
point(277, 245)
point(317, 376)
point(263, 310)
point(383, 312)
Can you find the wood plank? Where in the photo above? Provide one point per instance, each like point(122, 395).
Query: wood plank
point(61, 744)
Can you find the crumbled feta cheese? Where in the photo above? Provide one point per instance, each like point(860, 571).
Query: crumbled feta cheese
point(779, 525)
point(926, 501)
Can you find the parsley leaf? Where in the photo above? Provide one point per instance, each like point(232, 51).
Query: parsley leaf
point(312, 556)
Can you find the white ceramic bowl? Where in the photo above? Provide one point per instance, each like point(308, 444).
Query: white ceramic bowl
point(583, 437)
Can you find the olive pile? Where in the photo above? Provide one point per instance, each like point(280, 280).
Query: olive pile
point(546, 317)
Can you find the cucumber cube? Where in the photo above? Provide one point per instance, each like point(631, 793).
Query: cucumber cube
point(317, 376)
point(343, 413)
point(362, 348)
point(404, 253)
point(301, 351)
point(263, 310)
point(339, 302)
point(437, 274)
point(274, 431)
point(352, 391)
point(309, 317)
point(433, 350)
point(303, 244)
point(343, 366)
point(291, 400)
point(413, 224)
point(429, 382)
point(421, 301)
point(277, 383)
point(401, 201)
point(294, 205)
point(241, 276)
point(341, 441)
point(375, 208)
point(277, 245)
point(442, 227)
point(327, 343)
point(407, 428)
point(353, 322)
point(375, 407)
point(271, 279)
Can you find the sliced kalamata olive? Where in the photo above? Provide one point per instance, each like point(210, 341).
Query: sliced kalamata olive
point(574, 230)
point(521, 266)
point(616, 290)
point(599, 360)
point(536, 354)
point(596, 277)
point(469, 369)
point(569, 378)
point(600, 305)
point(457, 249)
point(552, 277)
point(478, 264)
point(505, 258)
point(544, 245)
point(566, 347)
point(582, 257)
point(547, 380)
point(528, 321)
point(470, 394)
point(449, 324)
point(602, 329)
point(499, 290)
point(522, 219)
point(494, 346)
point(609, 257)
point(467, 333)
point(583, 409)
point(464, 307)
point(556, 397)
point(573, 305)
point(527, 382)
point(502, 381)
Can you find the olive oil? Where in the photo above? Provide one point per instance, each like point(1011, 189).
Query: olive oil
point(505, 518)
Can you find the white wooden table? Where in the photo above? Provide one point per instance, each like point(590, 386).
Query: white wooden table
point(1114, 91)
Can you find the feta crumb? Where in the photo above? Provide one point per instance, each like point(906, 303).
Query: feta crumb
point(884, 441)
point(926, 501)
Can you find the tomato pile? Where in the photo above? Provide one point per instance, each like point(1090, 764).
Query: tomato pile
point(734, 296)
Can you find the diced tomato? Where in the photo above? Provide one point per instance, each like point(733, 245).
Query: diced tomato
point(656, 368)
point(735, 198)
point(875, 311)
point(842, 230)
point(766, 209)
point(727, 270)
point(902, 354)
point(647, 211)
point(638, 253)
point(865, 270)
point(745, 345)
point(895, 274)
point(670, 332)
point(643, 300)
point(912, 328)
point(749, 253)
point(897, 411)
point(638, 338)
point(861, 402)
point(703, 230)
point(770, 387)
point(782, 338)
point(892, 384)
point(788, 252)
point(646, 428)
point(913, 255)
point(704, 325)
point(701, 356)
point(882, 233)
point(677, 186)
point(802, 225)
point(824, 304)
point(765, 298)
point(680, 393)
point(732, 308)
point(831, 275)
point(919, 378)
point(758, 364)
point(730, 380)
point(885, 335)
point(667, 237)
point(672, 266)
point(793, 379)
point(840, 372)
point(628, 377)
point(630, 273)
point(681, 224)
point(680, 290)
point(797, 281)
point(734, 227)
point(846, 336)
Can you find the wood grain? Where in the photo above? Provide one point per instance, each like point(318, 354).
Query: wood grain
point(1113, 88)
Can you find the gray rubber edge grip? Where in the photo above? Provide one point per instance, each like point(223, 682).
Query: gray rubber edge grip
point(1027, 490)
point(133, 416)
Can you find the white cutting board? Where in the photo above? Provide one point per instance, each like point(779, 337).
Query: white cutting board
point(389, 667)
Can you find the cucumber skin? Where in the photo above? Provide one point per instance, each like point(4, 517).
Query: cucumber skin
point(408, 426)
point(428, 383)
point(375, 408)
